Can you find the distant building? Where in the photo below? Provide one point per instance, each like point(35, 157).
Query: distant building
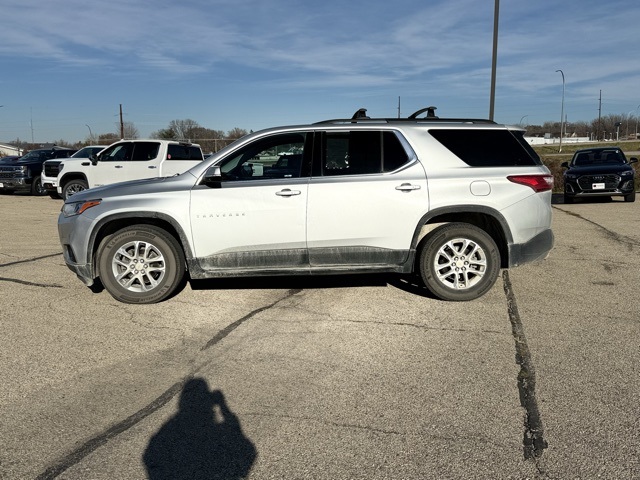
point(6, 150)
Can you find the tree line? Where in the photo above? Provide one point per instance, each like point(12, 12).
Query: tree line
point(609, 127)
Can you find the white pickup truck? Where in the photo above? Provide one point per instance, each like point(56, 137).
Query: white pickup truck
point(127, 160)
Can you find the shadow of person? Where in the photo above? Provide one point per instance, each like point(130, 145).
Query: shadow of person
point(203, 440)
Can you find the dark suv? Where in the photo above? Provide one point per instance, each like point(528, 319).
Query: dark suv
point(597, 172)
point(24, 174)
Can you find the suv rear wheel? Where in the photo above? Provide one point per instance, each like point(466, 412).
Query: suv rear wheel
point(141, 264)
point(459, 262)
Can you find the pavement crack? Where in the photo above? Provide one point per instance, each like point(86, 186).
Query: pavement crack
point(29, 260)
point(533, 438)
point(231, 327)
point(628, 241)
point(30, 284)
point(77, 455)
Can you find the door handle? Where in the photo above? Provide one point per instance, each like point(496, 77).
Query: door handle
point(152, 166)
point(288, 192)
point(118, 166)
point(407, 187)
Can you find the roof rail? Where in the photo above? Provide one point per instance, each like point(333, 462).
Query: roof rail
point(360, 116)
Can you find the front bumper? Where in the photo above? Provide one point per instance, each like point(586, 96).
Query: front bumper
point(16, 184)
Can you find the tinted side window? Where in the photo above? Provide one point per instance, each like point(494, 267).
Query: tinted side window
point(143, 151)
point(183, 152)
point(120, 152)
point(277, 156)
point(361, 152)
point(487, 148)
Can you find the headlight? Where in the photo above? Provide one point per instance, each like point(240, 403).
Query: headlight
point(24, 169)
point(626, 174)
point(571, 176)
point(76, 208)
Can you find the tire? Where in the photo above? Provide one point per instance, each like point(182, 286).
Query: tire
point(459, 262)
point(73, 186)
point(631, 197)
point(36, 187)
point(159, 254)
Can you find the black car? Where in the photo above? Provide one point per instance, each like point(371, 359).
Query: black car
point(23, 174)
point(597, 172)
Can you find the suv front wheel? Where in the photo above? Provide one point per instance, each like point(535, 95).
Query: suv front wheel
point(141, 264)
point(459, 262)
point(73, 186)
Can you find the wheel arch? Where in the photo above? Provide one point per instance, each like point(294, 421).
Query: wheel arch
point(488, 219)
point(112, 224)
point(66, 178)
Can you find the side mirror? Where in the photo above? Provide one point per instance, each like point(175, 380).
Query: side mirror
point(213, 177)
point(564, 164)
point(633, 160)
point(94, 159)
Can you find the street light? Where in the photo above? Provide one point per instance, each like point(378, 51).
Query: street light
point(637, 122)
point(561, 111)
point(523, 117)
point(90, 133)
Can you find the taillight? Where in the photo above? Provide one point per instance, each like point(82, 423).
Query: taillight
point(539, 183)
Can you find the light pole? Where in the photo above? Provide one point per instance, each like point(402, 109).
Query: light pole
point(561, 111)
point(523, 117)
point(637, 122)
point(90, 133)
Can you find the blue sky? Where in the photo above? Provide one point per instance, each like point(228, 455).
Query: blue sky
point(66, 64)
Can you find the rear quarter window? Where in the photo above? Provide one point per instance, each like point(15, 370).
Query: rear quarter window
point(488, 148)
point(183, 152)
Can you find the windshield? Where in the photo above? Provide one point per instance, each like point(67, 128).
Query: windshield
point(86, 152)
point(599, 157)
point(36, 155)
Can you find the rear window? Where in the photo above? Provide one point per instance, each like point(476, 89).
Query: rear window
point(183, 152)
point(488, 148)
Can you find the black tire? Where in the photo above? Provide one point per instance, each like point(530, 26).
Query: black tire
point(36, 187)
point(121, 255)
point(73, 186)
point(459, 262)
point(631, 197)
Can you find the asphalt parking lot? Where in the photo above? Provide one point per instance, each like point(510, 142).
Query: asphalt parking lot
point(327, 378)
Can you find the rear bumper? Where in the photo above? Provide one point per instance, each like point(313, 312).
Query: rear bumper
point(536, 248)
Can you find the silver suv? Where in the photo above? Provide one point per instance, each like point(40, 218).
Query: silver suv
point(454, 200)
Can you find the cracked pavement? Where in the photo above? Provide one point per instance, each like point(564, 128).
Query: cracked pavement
point(326, 378)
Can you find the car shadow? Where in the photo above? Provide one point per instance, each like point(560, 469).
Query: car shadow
point(408, 283)
point(203, 440)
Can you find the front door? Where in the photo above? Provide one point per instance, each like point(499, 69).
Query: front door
point(255, 218)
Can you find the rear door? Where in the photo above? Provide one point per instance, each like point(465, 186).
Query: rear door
point(366, 196)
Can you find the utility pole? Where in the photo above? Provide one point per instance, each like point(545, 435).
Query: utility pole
point(599, 115)
point(121, 124)
point(398, 107)
point(494, 61)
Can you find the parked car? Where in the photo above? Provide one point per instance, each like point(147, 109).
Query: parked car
point(24, 174)
point(127, 160)
point(598, 172)
point(454, 200)
point(51, 168)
